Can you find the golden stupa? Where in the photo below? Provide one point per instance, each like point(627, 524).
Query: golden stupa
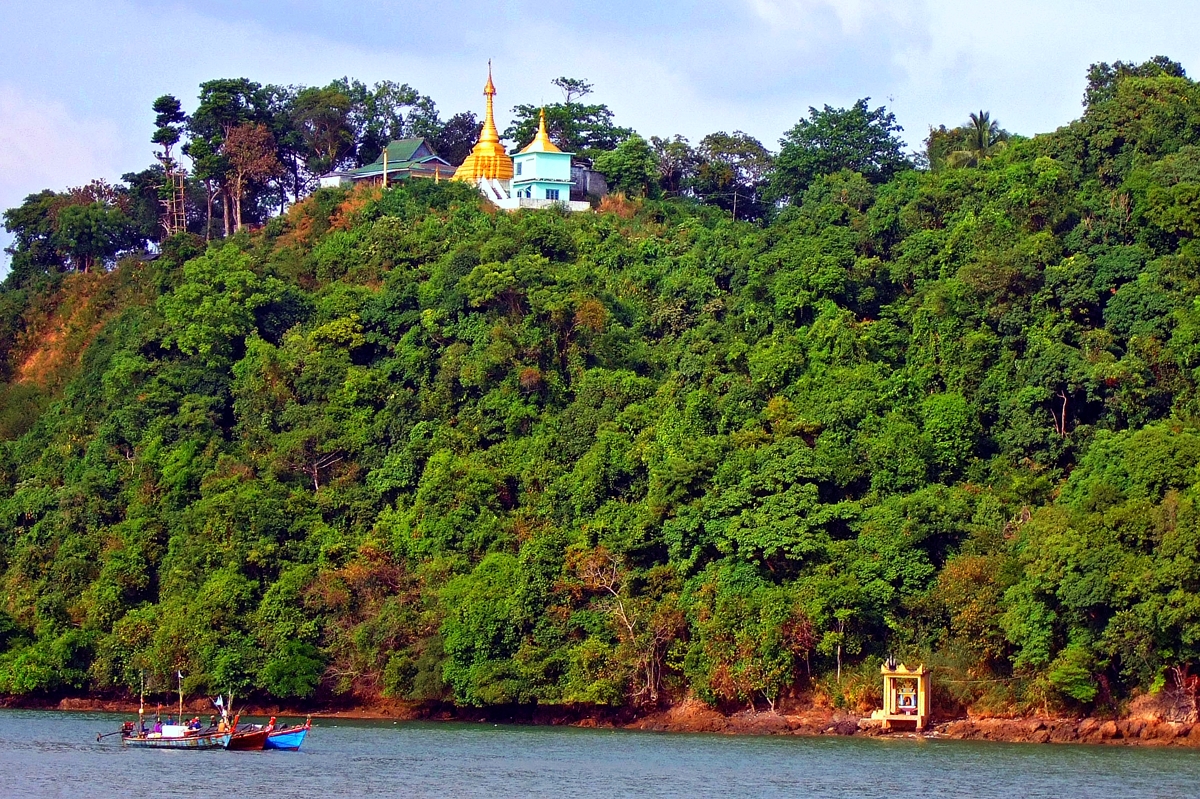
point(487, 159)
point(541, 142)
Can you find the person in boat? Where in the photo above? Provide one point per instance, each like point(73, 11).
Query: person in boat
point(158, 726)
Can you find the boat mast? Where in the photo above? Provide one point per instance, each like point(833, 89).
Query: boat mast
point(180, 719)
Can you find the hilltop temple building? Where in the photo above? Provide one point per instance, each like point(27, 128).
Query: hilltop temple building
point(539, 176)
point(400, 160)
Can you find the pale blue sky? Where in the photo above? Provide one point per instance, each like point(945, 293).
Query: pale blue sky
point(77, 76)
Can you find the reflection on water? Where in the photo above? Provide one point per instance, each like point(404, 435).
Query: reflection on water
point(55, 754)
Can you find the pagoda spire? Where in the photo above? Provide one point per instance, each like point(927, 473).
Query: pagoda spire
point(541, 142)
point(489, 132)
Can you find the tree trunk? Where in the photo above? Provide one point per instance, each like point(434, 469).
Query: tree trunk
point(841, 635)
point(227, 212)
point(237, 205)
point(208, 189)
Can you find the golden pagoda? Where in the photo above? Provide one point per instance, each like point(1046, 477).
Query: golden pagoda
point(487, 159)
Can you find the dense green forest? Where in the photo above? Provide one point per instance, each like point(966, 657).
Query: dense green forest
point(394, 443)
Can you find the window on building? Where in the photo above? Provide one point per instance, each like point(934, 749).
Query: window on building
point(519, 165)
point(551, 194)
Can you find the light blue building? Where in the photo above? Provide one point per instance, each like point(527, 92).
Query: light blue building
point(541, 175)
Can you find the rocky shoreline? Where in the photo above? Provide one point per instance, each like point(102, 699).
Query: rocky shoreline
point(1119, 732)
point(693, 716)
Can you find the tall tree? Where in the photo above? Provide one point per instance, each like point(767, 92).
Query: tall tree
point(730, 172)
point(322, 117)
point(32, 225)
point(143, 200)
point(983, 139)
point(92, 234)
point(676, 161)
point(631, 168)
point(1102, 78)
point(224, 105)
point(572, 88)
point(385, 112)
point(80, 228)
point(858, 138)
point(168, 120)
point(250, 150)
point(169, 117)
point(209, 167)
point(455, 139)
point(294, 179)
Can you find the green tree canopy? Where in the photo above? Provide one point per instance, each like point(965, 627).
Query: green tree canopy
point(631, 168)
point(858, 138)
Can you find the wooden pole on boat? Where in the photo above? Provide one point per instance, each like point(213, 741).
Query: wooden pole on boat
point(141, 730)
point(180, 719)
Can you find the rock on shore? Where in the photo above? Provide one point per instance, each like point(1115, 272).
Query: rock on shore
point(1147, 732)
point(695, 716)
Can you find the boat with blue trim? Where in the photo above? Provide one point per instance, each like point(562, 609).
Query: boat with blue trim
point(289, 737)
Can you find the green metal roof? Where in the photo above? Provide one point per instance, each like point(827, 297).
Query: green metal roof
point(400, 156)
point(402, 150)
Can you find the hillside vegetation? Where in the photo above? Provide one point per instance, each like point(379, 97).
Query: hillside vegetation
point(395, 443)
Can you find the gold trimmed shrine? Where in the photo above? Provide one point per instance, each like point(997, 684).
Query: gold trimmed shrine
point(905, 696)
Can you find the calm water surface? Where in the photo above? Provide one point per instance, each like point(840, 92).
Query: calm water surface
point(56, 754)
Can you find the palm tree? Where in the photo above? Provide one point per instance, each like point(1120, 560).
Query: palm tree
point(984, 138)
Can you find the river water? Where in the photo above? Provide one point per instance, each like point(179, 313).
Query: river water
point(56, 754)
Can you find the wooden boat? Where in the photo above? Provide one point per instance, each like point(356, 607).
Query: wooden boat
point(177, 736)
point(251, 738)
point(288, 737)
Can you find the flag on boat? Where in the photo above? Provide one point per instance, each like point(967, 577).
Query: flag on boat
point(219, 702)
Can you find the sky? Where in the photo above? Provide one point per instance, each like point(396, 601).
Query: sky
point(77, 77)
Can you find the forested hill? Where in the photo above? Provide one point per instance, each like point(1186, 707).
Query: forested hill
point(395, 443)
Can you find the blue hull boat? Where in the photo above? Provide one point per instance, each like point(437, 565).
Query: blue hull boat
point(288, 737)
